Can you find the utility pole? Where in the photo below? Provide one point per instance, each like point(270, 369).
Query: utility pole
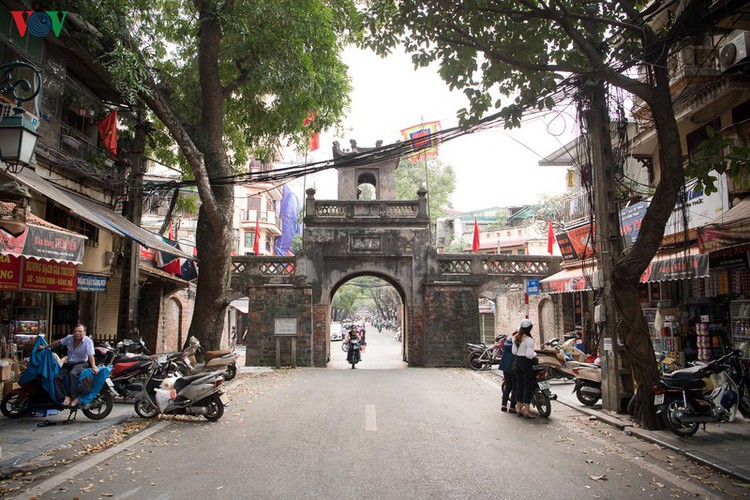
point(607, 245)
point(128, 312)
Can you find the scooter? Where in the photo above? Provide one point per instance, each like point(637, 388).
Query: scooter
point(482, 356)
point(684, 405)
point(37, 391)
point(555, 363)
point(169, 395)
point(222, 361)
point(353, 355)
point(588, 384)
point(542, 397)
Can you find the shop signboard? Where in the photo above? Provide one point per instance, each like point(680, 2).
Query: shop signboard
point(676, 268)
point(10, 272)
point(576, 243)
point(631, 218)
point(700, 208)
point(91, 283)
point(737, 257)
point(44, 243)
point(48, 276)
point(566, 248)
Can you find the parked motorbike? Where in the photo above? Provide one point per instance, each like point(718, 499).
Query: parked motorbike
point(588, 382)
point(555, 363)
point(482, 356)
point(37, 393)
point(169, 395)
point(354, 355)
point(541, 399)
point(684, 405)
point(223, 361)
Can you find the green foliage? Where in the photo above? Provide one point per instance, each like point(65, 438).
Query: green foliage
point(440, 180)
point(721, 154)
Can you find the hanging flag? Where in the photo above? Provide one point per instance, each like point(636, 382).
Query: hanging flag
point(315, 137)
point(108, 131)
point(171, 230)
point(288, 213)
point(422, 140)
point(550, 238)
point(475, 242)
point(256, 243)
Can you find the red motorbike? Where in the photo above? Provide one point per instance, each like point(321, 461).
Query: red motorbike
point(483, 356)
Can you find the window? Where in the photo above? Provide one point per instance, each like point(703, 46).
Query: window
point(249, 239)
point(31, 45)
point(697, 136)
point(60, 217)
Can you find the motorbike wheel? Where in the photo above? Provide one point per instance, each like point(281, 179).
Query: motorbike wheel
point(542, 404)
point(15, 405)
point(230, 372)
point(682, 430)
point(100, 407)
point(474, 362)
point(584, 398)
point(145, 409)
point(215, 408)
point(345, 347)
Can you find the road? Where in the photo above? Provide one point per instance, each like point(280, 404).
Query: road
point(383, 352)
point(398, 433)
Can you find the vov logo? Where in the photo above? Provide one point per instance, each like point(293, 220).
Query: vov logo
point(39, 23)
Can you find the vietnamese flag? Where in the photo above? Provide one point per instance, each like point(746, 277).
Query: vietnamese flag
point(108, 131)
point(475, 242)
point(315, 137)
point(256, 243)
point(550, 238)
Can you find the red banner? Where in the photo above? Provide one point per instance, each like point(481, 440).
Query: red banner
point(49, 276)
point(10, 272)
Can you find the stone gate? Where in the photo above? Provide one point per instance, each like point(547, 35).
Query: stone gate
point(384, 238)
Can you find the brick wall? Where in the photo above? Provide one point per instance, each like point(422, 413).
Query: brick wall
point(451, 319)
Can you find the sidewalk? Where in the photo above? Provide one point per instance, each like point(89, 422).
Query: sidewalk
point(724, 447)
point(23, 444)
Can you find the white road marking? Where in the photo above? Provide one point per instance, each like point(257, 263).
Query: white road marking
point(370, 422)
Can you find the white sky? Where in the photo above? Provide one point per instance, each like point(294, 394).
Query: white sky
point(493, 168)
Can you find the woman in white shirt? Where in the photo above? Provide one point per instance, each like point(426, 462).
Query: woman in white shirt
point(523, 350)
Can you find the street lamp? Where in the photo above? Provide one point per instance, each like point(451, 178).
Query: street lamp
point(17, 133)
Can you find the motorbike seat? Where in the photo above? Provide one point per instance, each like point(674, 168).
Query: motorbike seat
point(695, 383)
point(209, 355)
point(692, 373)
point(130, 359)
point(183, 382)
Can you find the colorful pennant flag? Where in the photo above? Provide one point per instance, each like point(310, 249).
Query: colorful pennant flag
point(422, 140)
point(108, 131)
point(475, 242)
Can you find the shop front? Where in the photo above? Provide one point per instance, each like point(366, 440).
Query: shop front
point(38, 280)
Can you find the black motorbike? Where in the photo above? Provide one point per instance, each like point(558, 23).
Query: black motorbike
point(33, 397)
point(353, 355)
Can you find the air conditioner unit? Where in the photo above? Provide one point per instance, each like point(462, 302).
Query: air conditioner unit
point(734, 51)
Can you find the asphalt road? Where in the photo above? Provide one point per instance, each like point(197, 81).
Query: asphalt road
point(397, 433)
point(382, 352)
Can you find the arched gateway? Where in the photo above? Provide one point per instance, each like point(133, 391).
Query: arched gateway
point(346, 238)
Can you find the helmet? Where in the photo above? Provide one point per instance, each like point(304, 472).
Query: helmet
point(729, 399)
point(526, 323)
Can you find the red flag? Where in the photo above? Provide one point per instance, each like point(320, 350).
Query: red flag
point(315, 137)
point(171, 230)
point(475, 243)
point(108, 131)
point(256, 243)
point(550, 238)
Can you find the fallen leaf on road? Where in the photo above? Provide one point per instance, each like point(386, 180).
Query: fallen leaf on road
point(742, 485)
point(603, 477)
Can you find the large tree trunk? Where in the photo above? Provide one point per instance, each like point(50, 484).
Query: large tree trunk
point(628, 270)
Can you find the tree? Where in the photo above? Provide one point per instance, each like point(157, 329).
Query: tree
point(227, 79)
point(522, 55)
point(439, 178)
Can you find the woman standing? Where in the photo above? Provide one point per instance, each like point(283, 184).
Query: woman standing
point(523, 350)
point(506, 366)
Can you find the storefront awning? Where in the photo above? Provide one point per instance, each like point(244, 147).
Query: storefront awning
point(732, 228)
point(242, 305)
point(38, 239)
point(158, 273)
point(666, 267)
point(95, 213)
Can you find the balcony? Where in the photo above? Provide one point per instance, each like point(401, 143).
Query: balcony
point(268, 221)
point(577, 209)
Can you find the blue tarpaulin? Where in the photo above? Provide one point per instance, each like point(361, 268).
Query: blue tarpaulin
point(290, 227)
point(41, 363)
point(94, 385)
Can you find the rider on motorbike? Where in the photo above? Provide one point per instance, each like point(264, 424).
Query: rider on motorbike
point(80, 351)
point(352, 334)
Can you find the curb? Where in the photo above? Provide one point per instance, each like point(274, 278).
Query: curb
point(695, 455)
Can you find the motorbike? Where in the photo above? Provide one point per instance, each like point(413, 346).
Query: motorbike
point(542, 397)
point(223, 361)
point(353, 355)
point(555, 363)
point(588, 382)
point(683, 404)
point(482, 356)
point(171, 395)
point(37, 392)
